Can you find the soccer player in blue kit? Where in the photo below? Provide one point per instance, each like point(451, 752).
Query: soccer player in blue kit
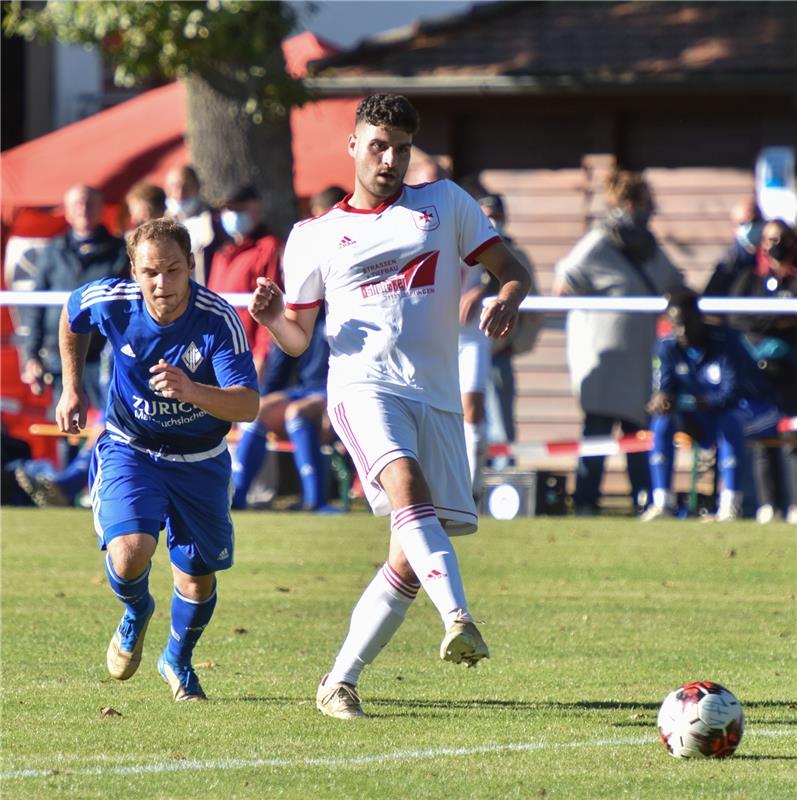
point(183, 372)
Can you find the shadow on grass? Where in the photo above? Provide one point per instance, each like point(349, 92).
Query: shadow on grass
point(744, 757)
point(514, 705)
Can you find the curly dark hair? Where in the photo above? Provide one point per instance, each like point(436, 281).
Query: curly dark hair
point(159, 230)
point(389, 110)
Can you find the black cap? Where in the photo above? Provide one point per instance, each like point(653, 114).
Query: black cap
point(239, 193)
point(493, 202)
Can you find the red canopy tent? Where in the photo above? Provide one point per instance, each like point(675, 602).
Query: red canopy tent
point(144, 138)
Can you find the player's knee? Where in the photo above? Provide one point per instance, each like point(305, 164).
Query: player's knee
point(194, 587)
point(398, 562)
point(131, 554)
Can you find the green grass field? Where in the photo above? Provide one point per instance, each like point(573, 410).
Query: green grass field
point(591, 622)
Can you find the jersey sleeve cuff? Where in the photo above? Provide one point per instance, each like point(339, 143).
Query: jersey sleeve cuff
point(300, 306)
point(473, 258)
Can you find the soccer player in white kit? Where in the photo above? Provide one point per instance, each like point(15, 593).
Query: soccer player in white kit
point(386, 262)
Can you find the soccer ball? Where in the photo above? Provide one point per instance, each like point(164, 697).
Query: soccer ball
point(701, 720)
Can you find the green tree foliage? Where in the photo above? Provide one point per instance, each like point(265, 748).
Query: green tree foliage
point(228, 53)
point(229, 43)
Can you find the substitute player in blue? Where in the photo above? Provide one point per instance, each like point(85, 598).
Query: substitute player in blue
point(183, 372)
point(706, 385)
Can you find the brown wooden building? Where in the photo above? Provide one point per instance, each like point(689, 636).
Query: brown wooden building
point(542, 99)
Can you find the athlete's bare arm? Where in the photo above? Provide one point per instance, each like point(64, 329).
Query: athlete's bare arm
point(498, 316)
point(291, 330)
point(72, 409)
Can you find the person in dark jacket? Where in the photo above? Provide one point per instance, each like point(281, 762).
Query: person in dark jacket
point(772, 340)
point(86, 252)
point(748, 224)
point(703, 375)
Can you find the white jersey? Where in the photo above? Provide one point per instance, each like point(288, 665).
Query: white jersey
point(391, 282)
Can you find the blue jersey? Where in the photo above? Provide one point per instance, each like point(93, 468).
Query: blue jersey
point(207, 341)
point(720, 374)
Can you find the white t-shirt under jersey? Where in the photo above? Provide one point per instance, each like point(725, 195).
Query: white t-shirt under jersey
point(391, 281)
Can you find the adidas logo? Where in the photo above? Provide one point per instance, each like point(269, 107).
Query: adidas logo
point(127, 350)
point(225, 553)
point(346, 241)
point(435, 574)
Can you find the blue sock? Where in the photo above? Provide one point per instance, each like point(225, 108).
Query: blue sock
point(75, 477)
point(662, 456)
point(134, 594)
point(189, 620)
point(307, 455)
point(249, 457)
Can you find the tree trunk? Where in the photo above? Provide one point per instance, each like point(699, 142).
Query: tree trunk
point(227, 147)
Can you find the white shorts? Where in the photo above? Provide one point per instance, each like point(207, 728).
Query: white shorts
point(378, 428)
point(474, 360)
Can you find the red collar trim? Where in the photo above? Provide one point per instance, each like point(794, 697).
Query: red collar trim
point(343, 205)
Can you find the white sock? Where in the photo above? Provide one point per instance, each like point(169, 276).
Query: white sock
point(663, 498)
point(475, 446)
point(432, 558)
point(730, 501)
point(376, 617)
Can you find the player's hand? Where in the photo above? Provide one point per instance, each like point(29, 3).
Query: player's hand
point(470, 303)
point(35, 377)
point(498, 318)
point(660, 404)
point(72, 411)
point(170, 381)
point(266, 303)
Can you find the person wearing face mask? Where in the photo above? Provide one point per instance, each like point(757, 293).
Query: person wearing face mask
point(610, 352)
point(772, 340)
point(251, 253)
point(747, 225)
point(185, 205)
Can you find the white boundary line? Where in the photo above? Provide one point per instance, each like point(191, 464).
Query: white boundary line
point(187, 765)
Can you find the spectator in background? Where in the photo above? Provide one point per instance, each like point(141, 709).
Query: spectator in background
point(772, 340)
point(748, 224)
point(500, 401)
point(50, 487)
point(145, 201)
point(86, 252)
point(252, 253)
point(322, 201)
point(292, 405)
point(610, 352)
point(702, 377)
point(185, 205)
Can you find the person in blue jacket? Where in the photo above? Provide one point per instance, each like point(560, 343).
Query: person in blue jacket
point(704, 385)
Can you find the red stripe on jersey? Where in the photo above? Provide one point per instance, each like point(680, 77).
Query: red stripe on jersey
point(300, 306)
point(472, 259)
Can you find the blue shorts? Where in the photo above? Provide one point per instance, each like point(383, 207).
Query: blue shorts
point(135, 492)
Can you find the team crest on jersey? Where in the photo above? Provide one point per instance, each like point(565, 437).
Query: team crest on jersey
point(426, 218)
point(415, 277)
point(192, 358)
